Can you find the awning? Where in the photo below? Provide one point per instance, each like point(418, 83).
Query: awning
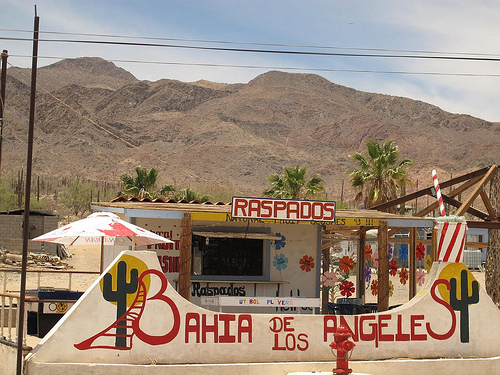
point(246, 235)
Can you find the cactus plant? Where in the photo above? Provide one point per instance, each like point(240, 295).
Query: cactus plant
point(463, 303)
point(119, 295)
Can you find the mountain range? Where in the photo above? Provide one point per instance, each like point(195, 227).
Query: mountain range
point(97, 121)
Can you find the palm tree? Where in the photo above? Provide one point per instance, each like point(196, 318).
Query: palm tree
point(143, 184)
point(379, 176)
point(292, 184)
point(190, 195)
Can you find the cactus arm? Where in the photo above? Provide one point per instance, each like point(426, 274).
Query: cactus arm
point(463, 303)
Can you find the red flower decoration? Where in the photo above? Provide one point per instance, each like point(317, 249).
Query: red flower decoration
point(347, 288)
point(368, 252)
point(374, 287)
point(306, 263)
point(403, 276)
point(393, 267)
point(346, 264)
point(420, 254)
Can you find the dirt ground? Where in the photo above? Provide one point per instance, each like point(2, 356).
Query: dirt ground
point(83, 259)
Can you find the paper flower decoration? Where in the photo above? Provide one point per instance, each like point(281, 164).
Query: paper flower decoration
point(420, 253)
point(346, 264)
point(347, 288)
point(403, 276)
point(329, 279)
point(280, 262)
point(306, 263)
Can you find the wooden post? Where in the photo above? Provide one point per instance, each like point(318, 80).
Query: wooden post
point(325, 296)
point(383, 267)
point(491, 272)
point(360, 267)
point(434, 244)
point(412, 263)
point(185, 257)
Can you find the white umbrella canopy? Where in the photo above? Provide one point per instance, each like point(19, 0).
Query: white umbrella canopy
point(99, 225)
point(102, 228)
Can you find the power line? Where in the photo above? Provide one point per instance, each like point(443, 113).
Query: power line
point(263, 51)
point(255, 43)
point(290, 68)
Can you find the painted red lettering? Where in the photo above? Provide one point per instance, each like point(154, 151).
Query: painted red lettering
point(354, 334)
point(290, 342)
point(266, 209)
point(305, 210)
point(381, 325)
point(245, 326)
point(240, 206)
point(276, 345)
point(254, 208)
point(317, 210)
point(327, 327)
point(413, 325)
point(206, 328)
point(400, 336)
point(367, 336)
point(279, 206)
point(302, 338)
point(226, 337)
point(330, 209)
point(192, 326)
point(293, 208)
point(448, 334)
point(286, 324)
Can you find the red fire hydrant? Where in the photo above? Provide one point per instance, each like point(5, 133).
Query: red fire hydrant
point(342, 344)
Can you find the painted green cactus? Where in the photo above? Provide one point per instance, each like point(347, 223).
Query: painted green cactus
point(123, 288)
point(463, 303)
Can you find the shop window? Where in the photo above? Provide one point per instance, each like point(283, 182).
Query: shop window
point(216, 256)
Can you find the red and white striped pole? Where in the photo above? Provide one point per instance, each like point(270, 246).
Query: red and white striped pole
point(438, 192)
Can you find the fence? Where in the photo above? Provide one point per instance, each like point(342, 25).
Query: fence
point(9, 313)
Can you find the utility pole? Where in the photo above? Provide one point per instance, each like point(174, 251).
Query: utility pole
point(5, 54)
point(26, 217)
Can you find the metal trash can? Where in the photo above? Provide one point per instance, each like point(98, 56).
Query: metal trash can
point(51, 306)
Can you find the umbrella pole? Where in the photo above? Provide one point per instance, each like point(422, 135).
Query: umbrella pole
point(133, 242)
point(102, 253)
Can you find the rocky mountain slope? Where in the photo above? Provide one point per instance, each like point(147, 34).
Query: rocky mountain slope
point(98, 121)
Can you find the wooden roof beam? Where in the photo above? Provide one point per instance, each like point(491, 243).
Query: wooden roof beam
point(488, 205)
point(429, 190)
point(453, 193)
point(467, 203)
point(471, 210)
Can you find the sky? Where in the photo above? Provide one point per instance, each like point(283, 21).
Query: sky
point(465, 32)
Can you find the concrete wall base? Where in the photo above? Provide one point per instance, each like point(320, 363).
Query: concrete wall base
point(483, 366)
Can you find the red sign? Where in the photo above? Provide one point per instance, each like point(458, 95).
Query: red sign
point(283, 209)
